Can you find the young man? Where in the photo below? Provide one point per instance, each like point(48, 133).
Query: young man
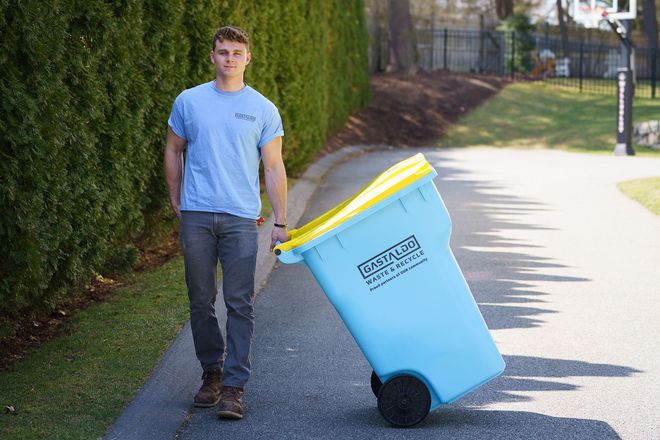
point(226, 128)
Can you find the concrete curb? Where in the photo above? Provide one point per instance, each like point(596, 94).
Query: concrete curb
point(163, 404)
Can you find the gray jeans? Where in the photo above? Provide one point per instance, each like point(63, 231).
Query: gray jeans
point(207, 238)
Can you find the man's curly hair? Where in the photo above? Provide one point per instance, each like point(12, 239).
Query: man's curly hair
point(231, 33)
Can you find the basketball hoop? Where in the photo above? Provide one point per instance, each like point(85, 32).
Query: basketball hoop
point(596, 14)
point(615, 24)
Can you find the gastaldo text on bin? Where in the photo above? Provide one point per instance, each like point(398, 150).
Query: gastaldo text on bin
point(389, 257)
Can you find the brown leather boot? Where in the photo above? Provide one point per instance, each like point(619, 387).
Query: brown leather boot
point(209, 394)
point(231, 403)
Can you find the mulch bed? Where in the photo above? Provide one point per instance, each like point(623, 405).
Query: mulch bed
point(414, 111)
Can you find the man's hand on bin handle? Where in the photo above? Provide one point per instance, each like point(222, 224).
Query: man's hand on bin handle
point(279, 235)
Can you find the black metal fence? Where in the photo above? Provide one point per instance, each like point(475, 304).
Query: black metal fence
point(588, 66)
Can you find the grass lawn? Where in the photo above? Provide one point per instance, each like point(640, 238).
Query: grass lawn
point(644, 191)
point(537, 115)
point(76, 385)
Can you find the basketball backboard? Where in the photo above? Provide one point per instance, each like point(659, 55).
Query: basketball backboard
point(591, 12)
point(622, 10)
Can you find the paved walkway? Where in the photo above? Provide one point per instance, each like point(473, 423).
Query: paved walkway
point(565, 271)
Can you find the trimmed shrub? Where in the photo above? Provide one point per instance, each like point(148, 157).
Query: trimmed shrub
point(86, 88)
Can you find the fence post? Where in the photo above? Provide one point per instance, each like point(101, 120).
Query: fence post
point(654, 72)
point(513, 55)
point(432, 68)
point(580, 67)
point(444, 51)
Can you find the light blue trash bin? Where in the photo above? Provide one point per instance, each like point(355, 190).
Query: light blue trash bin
point(383, 259)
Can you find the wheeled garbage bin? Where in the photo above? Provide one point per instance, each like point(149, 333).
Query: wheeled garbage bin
point(383, 259)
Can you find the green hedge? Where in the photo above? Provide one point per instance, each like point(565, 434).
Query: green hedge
point(86, 88)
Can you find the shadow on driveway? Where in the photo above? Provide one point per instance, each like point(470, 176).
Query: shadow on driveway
point(500, 275)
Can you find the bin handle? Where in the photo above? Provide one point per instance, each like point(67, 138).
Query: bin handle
point(287, 257)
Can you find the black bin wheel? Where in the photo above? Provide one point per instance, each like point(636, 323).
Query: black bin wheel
point(375, 383)
point(404, 401)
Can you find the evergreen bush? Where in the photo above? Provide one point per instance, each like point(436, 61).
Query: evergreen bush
point(521, 27)
point(86, 89)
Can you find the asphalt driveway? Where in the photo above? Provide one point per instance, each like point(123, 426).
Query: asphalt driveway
point(565, 271)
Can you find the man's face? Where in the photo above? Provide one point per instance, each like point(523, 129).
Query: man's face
point(230, 58)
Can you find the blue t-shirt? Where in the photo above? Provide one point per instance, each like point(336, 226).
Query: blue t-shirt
point(224, 132)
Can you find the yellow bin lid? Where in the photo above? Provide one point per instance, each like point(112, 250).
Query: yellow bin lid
point(386, 184)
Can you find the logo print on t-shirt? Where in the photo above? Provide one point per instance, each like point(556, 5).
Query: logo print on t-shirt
point(245, 117)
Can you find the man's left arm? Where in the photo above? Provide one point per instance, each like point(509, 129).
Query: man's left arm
point(276, 187)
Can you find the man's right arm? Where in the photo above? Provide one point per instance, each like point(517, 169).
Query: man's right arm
point(174, 147)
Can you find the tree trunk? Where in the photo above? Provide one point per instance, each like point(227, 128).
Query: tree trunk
point(563, 28)
point(374, 37)
point(503, 8)
point(402, 37)
point(650, 24)
point(651, 33)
